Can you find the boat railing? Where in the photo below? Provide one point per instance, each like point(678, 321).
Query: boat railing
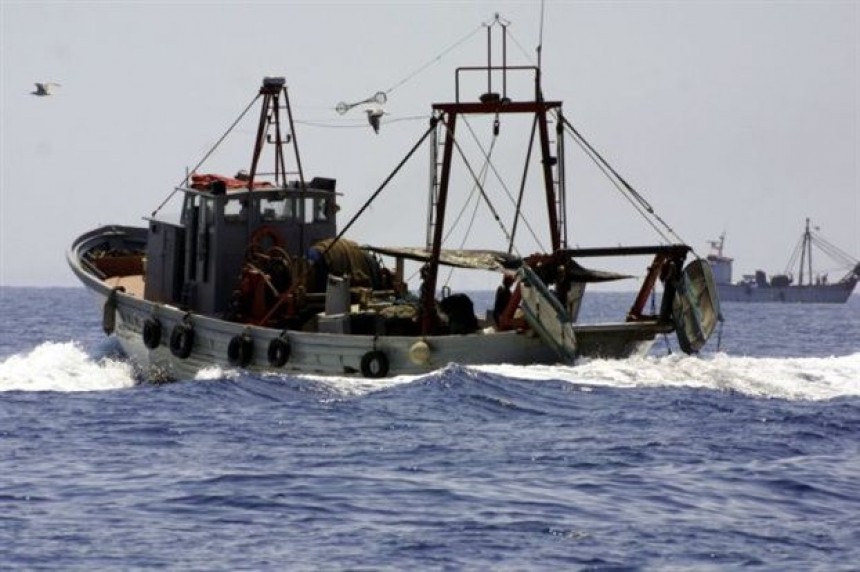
point(490, 96)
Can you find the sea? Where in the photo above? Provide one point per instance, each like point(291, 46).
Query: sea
point(746, 456)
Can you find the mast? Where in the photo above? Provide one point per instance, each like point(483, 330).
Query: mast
point(806, 255)
point(490, 103)
point(270, 115)
point(272, 90)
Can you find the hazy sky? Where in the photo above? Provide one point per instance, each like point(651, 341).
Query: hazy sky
point(732, 116)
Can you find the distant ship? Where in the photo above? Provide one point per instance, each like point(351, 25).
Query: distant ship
point(809, 288)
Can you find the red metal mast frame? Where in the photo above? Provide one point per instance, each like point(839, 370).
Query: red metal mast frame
point(490, 104)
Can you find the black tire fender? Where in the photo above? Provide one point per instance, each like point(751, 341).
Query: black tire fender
point(374, 364)
point(279, 351)
point(182, 340)
point(240, 350)
point(152, 333)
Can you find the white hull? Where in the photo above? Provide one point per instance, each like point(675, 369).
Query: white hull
point(125, 314)
point(341, 354)
point(311, 353)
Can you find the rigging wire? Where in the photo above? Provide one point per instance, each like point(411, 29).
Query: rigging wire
point(206, 156)
point(483, 175)
point(356, 124)
point(845, 260)
point(620, 183)
point(832, 250)
point(504, 186)
point(618, 186)
point(479, 186)
point(383, 185)
point(523, 180)
point(436, 59)
point(381, 97)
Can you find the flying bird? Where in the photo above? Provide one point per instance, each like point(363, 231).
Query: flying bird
point(374, 115)
point(43, 89)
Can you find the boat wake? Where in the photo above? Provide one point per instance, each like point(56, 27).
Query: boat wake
point(68, 367)
point(63, 367)
point(805, 378)
point(802, 379)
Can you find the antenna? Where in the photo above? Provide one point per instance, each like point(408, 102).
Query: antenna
point(540, 35)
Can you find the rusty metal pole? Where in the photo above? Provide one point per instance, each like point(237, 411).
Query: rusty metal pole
point(428, 287)
point(546, 160)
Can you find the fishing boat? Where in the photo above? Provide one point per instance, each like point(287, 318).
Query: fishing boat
point(257, 274)
point(810, 287)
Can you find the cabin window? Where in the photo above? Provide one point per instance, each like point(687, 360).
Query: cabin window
point(309, 210)
point(322, 209)
point(207, 212)
point(276, 210)
point(236, 209)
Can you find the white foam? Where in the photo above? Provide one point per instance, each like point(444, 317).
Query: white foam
point(63, 367)
point(784, 378)
point(214, 373)
point(358, 386)
point(67, 367)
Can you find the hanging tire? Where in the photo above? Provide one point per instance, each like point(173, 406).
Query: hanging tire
point(279, 351)
point(374, 364)
point(151, 333)
point(181, 340)
point(240, 350)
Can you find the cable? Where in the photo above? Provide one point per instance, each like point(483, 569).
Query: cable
point(504, 186)
point(624, 187)
point(483, 176)
point(382, 186)
point(480, 187)
point(208, 154)
point(435, 59)
point(356, 124)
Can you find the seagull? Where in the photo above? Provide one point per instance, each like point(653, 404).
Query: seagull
point(43, 89)
point(374, 114)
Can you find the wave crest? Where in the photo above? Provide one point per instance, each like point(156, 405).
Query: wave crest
point(809, 378)
point(53, 366)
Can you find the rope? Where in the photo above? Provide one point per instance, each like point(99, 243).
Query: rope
point(208, 154)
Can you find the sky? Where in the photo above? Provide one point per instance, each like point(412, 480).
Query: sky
point(729, 117)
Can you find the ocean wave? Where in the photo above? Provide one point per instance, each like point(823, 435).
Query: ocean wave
point(66, 366)
point(802, 379)
point(54, 366)
point(810, 378)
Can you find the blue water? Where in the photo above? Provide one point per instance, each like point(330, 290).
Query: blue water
point(747, 456)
